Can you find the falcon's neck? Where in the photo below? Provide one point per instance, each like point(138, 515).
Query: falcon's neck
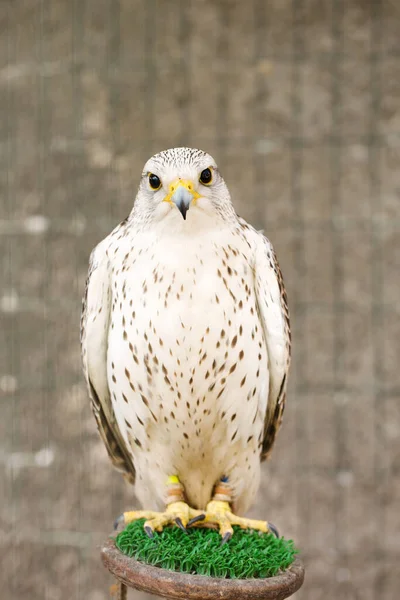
point(198, 222)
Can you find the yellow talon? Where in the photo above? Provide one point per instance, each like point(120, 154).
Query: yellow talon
point(134, 515)
point(249, 523)
point(219, 513)
point(179, 513)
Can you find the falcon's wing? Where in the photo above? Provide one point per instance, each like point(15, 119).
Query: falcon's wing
point(274, 315)
point(94, 341)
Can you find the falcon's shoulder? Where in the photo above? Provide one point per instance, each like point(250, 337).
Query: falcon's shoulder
point(95, 319)
point(274, 316)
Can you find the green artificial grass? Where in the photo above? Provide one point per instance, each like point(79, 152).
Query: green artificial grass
point(247, 554)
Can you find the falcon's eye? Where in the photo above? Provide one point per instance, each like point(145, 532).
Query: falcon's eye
point(154, 181)
point(206, 177)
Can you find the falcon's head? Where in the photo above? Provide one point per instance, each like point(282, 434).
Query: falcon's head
point(180, 179)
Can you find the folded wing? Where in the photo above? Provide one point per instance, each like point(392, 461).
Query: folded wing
point(274, 316)
point(95, 322)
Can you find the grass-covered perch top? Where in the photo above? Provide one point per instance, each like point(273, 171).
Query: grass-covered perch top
point(248, 554)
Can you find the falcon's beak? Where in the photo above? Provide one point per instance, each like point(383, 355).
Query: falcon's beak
point(181, 193)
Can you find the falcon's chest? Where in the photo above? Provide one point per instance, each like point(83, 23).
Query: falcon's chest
point(185, 334)
point(181, 291)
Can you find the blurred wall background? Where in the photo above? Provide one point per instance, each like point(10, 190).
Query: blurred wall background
point(299, 102)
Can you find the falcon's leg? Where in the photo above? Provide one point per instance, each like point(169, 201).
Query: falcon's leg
point(177, 511)
point(218, 513)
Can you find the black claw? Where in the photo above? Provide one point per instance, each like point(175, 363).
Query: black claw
point(273, 530)
point(196, 519)
point(118, 521)
point(149, 531)
point(178, 521)
point(226, 538)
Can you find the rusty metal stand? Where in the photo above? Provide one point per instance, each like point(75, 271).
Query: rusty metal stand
point(172, 585)
point(119, 591)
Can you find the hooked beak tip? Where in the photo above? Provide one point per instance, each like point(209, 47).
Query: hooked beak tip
point(183, 208)
point(182, 199)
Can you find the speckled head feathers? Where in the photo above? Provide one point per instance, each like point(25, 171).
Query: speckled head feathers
point(182, 167)
point(180, 158)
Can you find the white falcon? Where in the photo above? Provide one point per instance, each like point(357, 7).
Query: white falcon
point(186, 347)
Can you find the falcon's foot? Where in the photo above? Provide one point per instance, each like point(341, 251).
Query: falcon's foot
point(218, 513)
point(179, 513)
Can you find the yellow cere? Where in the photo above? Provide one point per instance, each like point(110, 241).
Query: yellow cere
point(186, 183)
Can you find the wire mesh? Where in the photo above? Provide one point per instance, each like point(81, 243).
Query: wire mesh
point(298, 101)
